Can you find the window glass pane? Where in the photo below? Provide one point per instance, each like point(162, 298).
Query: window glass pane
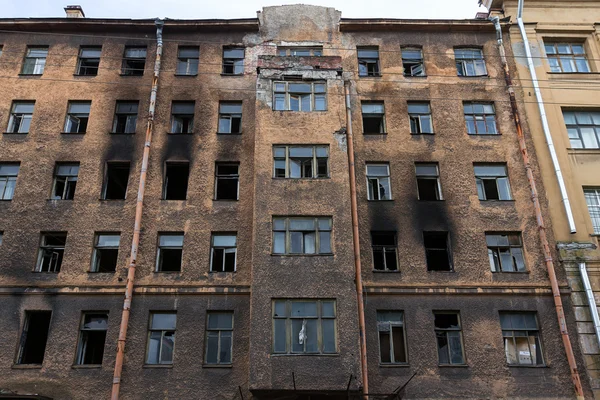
point(377, 170)
point(230, 108)
point(233, 53)
point(220, 321)
point(296, 242)
point(163, 321)
point(328, 309)
point(301, 151)
point(278, 223)
point(127, 108)
point(418, 108)
point(324, 242)
point(23, 108)
point(368, 53)
point(188, 52)
point(153, 348)
point(225, 354)
point(324, 223)
point(304, 309)
point(280, 308)
point(79, 108)
point(414, 54)
point(279, 242)
point(322, 151)
point(309, 243)
point(135, 52)
point(95, 321)
point(171, 240)
point(328, 326)
point(9, 169)
point(279, 336)
point(427, 169)
point(302, 224)
point(490, 170)
point(300, 87)
point(372, 108)
point(589, 137)
point(312, 345)
point(183, 108)
point(212, 347)
point(109, 240)
point(224, 240)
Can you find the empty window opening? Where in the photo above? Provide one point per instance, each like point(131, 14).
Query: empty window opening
point(65, 181)
point(392, 338)
point(106, 252)
point(227, 181)
point(373, 116)
point(170, 252)
point(52, 249)
point(92, 335)
point(117, 176)
point(20, 117)
point(78, 115)
point(567, 57)
point(505, 251)
point(592, 198)
point(302, 235)
point(301, 162)
point(230, 117)
point(161, 338)
point(428, 181)
point(35, 60)
point(300, 96)
point(233, 60)
point(125, 117)
point(182, 117)
point(34, 337)
point(470, 62)
point(304, 327)
point(437, 251)
point(521, 335)
point(583, 129)
point(378, 182)
point(219, 337)
point(89, 61)
point(134, 61)
point(8, 180)
point(313, 51)
point(368, 61)
point(448, 333)
point(188, 58)
point(412, 61)
point(385, 257)
point(492, 182)
point(223, 252)
point(176, 180)
point(480, 118)
point(420, 118)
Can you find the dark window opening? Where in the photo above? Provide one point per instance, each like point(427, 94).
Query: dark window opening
point(448, 333)
point(134, 61)
point(392, 341)
point(182, 120)
point(91, 339)
point(78, 115)
point(368, 61)
point(437, 251)
point(106, 252)
point(176, 181)
point(233, 61)
point(230, 117)
point(187, 60)
point(226, 181)
point(505, 251)
point(117, 176)
point(428, 181)
point(89, 61)
point(65, 181)
point(34, 337)
point(373, 115)
point(223, 253)
point(52, 249)
point(125, 117)
point(384, 251)
point(492, 182)
point(412, 61)
point(170, 252)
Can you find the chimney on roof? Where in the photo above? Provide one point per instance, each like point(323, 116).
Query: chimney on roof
point(74, 12)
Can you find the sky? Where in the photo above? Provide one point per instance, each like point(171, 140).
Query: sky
point(206, 9)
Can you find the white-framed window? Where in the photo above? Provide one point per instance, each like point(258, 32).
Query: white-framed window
point(480, 118)
point(35, 60)
point(379, 186)
point(8, 180)
point(20, 116)
point(567, 57)
point(583, 128)
point(65, 181)
point(51, 252)
point(419, 114)
point(106, 252)
point(428, 181)
point(469, 62)
point(592, 198)
point(300, 96)
point(492, 182)
point(505, 251)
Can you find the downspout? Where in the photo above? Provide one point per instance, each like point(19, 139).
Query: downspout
point(591, 299)
point(138, 219)
point(356, 242)
point(545, 126)
point(540, 220)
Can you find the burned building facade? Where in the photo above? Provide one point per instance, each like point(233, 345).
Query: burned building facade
point(214, 155)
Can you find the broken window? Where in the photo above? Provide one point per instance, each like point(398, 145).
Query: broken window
point(480, 118)
point(373, 116)
point(592, 198)
point(300, 96)
point(505, 251)
point(78, 114)
point(583, 128)
point(567, 57)
point(227, 179)
point(521, 336)
point(313, 51)
point(420, 118)
point(89, 60)
point(304, 327)
point(437, 251)
point(302, 235)
point(134, 61)
point(412, 61)
point(106, 252)
point(392, 339)
point(219, 337)
point(8, 180)
point(182, 117)
point(378, 182)
point(492, 182)
point(34, 337)
point(233, 60)
point(368, 61)
point(65, 181)
point(92, 335)
point(20, 117)
point(448, 333)
point(161, 338)
point(125, 117)
point(52, 249)
point(35, 60)
point(170, 252)
point(428, 181)
point(301, 162)
point(470, 62)
point(115, 181)
point(384, 251)
point(187, 60)
point(223, 252)
point(230, 117)
point(176, 180)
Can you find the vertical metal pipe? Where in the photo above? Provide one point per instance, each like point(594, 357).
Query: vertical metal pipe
point(138, 219)
point(591, 299)
point(562, 323)
point(356, 242)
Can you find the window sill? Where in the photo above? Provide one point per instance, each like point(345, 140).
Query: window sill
point(278, 178)
point(167, 272)
point(305, 355)
point(186, 75)
point(453, 365)
point(572, 73)
point(73, 133)
point(173, 200)
point(121, 133)
point(31, 74)
point(226, 200)
point(370, 76)
point(433, 200)
point(131, 76)
point(159, 366)
point(374, 133)
point(526, 366)
point(583, 151)
point(422, 134)
point(45, 272)
point(473, 76)
point(229, 133)
point(26, 366)
point(380, 201)
point(301, 111)
point(223, 74)
point(101, 272)
point(483, 134)
point(386, 271)
point(86, 75)
point(180, 133)
point(221, 272)
point(415, 76)
point(303, 255)
point(61, 200)
point(111, 200)
point(494, 202)
point(226, 366)
point(594, 234)
point(432, 271)
point(500, 273)
point(86, 366)
point(402, 365)
point(15, 133)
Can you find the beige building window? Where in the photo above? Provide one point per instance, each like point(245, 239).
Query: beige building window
point(567, 57)
point(301, 162)
point(480, 118)
point(89, 60)
point(368, 61)
point(583, 128)
point(35, 61)
point(187, 60)
point(592, 197)
point(412, 61)
point(134, 61)
point(300, 96)
point(505, 251)
point(302, 235)
point(470, 62)
point(521, 338)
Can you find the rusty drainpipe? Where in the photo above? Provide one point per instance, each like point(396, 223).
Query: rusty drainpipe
point(538, 214)
point(138, 219)
point(355, 237)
